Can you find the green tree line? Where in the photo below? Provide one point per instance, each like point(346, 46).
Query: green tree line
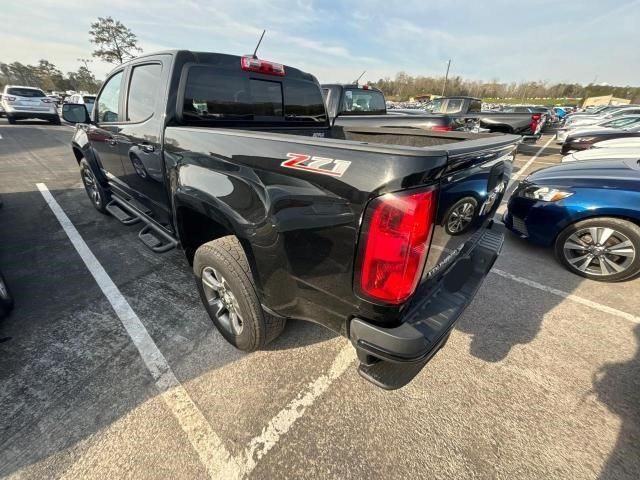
point(46, 76)
point(404, 86)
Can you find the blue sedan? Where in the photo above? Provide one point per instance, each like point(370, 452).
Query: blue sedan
point(588, 211)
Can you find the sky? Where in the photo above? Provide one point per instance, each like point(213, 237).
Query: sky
point(579, 41)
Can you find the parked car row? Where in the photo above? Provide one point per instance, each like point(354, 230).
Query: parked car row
point(588, 208)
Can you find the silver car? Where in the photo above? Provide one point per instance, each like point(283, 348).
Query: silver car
point(28, 102)
point(624, 122)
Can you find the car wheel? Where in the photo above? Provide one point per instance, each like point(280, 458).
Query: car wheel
point(226, 287)
point(11, 120)
point(138, 166)
point(460, 216)
point(604, 249)
point(6, 300)
point(98, 195)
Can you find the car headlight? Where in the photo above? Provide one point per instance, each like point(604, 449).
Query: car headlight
point(545, 194)
point(584, 139)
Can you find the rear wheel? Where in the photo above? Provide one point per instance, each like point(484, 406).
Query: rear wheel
point(225, 283)
point(98, 195)
point(604, 249)
point(460, 216)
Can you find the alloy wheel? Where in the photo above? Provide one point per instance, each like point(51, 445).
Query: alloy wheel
point(600, 251)
point(91, 185)
point(460, 217)
point(222, 301)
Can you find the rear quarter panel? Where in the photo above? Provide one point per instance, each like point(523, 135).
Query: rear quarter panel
point(299, 228)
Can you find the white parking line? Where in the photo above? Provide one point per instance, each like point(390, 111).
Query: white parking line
point(212, 452)
point(283, 421)
point(528, 164)
point(568, 296)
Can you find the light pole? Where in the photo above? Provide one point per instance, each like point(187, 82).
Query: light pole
point(446, 77)
point(85, 61)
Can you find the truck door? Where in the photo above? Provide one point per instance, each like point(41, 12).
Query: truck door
point(104, 132)
point(141, 137)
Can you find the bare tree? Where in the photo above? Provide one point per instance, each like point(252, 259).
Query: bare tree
point(115, 42)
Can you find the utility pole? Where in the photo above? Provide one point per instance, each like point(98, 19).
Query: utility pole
point(446, 77)
point(86, 62)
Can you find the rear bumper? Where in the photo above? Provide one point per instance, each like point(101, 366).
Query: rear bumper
point(391, 357)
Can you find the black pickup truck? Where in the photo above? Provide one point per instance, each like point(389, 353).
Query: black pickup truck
point(365, 106)
point(382, 235)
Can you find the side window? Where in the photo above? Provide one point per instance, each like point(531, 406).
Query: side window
point(109, 100)
point(143, 92)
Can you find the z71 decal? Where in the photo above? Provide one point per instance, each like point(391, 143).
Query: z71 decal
point(322, 165)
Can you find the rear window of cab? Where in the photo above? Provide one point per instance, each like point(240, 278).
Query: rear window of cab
point(25, 92)
point(214, 94)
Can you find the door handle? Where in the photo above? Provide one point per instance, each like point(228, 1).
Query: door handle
point(148, 148)
point(112, 142)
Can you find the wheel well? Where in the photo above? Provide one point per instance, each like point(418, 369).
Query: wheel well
point(196, 229)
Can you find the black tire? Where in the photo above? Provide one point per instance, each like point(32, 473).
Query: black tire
point(575, 247)
point(6, 300)
point(11, 120)
point(98, 195)
point(226, 258)
point(459, 226)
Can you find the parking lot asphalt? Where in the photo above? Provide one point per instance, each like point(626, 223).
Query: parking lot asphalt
point(540, 379)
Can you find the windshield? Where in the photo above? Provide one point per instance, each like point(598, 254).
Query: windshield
point(26, 92)
point(89, 99)
point(435, 106)
point(359, 100)
point(621, 122)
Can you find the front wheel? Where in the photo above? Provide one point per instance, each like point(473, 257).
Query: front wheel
point(97, 193)
point(460, 216)
point(225, 284)
point(603, 249)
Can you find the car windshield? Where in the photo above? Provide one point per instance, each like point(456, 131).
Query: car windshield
point(89, 99)
point(363, 101)
point(621, 122)
point(26, 92)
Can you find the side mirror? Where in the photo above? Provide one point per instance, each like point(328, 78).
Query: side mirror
point(75, 113)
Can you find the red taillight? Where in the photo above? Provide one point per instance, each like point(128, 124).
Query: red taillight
point(535, 121)
point(8, 98)
point(441, 128)
point(261, 66)
point(394, 243)
point(365, 87)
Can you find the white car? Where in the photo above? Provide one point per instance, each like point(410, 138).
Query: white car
point(579, 121)
point(28, 102)
point(628, 142)
point(624, 122)
point(632, 153)
point(87, 100)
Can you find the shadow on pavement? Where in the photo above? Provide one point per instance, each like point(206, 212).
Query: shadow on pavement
point(69, 369)
point(617, 385)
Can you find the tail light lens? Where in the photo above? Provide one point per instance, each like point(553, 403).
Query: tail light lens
point(261, 66)
point(535, 120)
point(442, 128)
point(394, 243)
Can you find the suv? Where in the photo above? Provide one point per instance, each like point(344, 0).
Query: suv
point(87, 100)
point(28, 102)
